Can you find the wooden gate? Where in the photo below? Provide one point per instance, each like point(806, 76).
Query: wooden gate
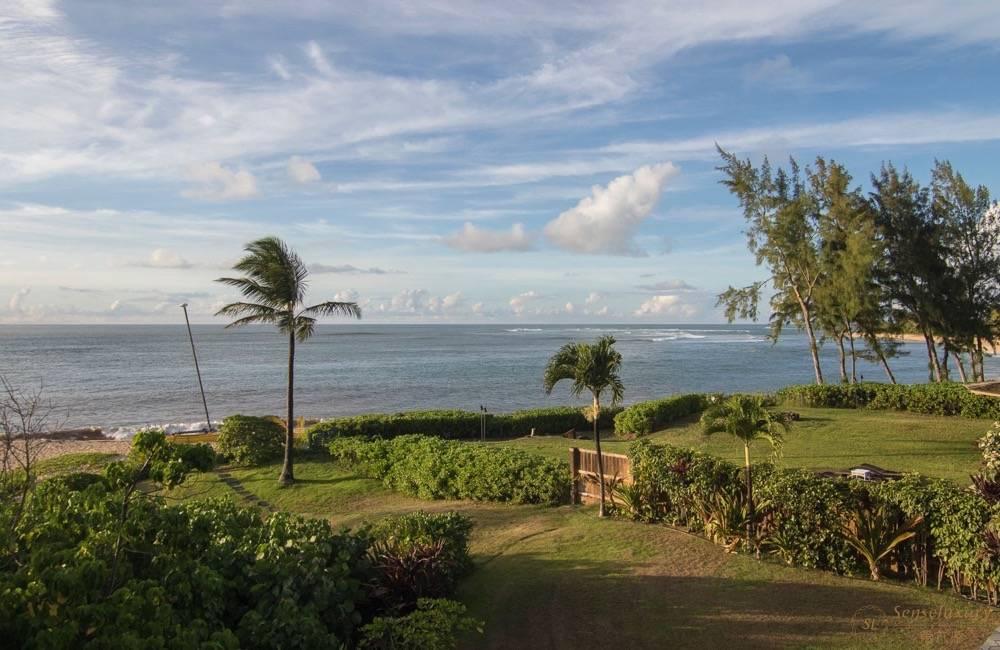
point(583, 468)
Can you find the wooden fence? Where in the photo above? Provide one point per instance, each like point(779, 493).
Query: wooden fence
point(583, 466)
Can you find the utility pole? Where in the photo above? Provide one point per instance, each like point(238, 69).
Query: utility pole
point(204, 402)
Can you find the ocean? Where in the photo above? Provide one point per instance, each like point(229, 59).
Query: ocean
point(134, 375)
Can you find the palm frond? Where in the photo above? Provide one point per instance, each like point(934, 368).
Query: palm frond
point(253, 290)
point(561, 366)
point(334, 309)
point(250, 309)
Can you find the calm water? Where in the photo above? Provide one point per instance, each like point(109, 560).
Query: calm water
point(112, 375)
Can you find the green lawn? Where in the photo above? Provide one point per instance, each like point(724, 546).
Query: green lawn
point(91, 461)
point(561, 578)
point(944, 447)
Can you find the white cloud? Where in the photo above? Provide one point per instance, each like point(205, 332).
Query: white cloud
point(217, 183)
point(605, 222)
point(302, 171)
point(665, 306)
point(593, 298)
point(569, 308)
point(16, 301)
point(668, 286)
point(162, 258)
point(320, 268)
point(347, 295)
point(451, 301)
point(519, 302)
point(474, 239)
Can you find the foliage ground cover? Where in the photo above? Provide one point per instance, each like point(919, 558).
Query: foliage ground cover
point(561, 578)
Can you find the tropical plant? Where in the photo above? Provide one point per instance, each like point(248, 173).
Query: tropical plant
point(634, 500)
point(874, 530)
point(592, 367)
point(726, 515)
point(746, 418)
point(249, 440)
point(274, 285)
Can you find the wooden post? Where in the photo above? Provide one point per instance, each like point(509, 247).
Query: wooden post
point(574, 468)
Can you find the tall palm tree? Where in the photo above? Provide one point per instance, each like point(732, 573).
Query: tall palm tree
point(274, 285)
point(591, 367)
point(746, 418)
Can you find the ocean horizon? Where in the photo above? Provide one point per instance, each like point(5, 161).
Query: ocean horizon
point(120, 377)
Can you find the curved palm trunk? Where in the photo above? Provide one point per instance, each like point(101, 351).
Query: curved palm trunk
point(287, 476)
point(597, 446)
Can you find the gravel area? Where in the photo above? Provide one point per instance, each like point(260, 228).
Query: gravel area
point(53, 448)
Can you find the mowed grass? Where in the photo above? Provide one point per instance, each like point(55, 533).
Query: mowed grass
point(561, 578)
point(88, 461)
point(943, 447)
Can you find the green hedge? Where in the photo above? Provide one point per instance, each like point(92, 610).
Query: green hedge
point(929, 399)
point(250, 440)
point(646, 417)
point(432, 468)
point(210, 574)
point(803, 514)
point(454, 424)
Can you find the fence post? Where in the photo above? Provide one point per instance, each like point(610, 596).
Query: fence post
point(574, 469)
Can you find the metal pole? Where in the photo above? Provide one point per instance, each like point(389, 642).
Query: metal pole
point(204, 402)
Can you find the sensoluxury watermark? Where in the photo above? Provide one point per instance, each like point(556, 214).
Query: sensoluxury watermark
point(873, 619)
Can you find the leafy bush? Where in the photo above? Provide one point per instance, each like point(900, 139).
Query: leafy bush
point(79, 481)
point(207, 574)
point(248, 440)
point(454, 424)
point(432, 468)
point(435, 625)
point(418, 555)
point(989, 444)
point(645, 417)
point(929, 399)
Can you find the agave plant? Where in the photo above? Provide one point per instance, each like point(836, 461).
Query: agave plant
point(633, 500)
point(727, 515)
point(875, 530)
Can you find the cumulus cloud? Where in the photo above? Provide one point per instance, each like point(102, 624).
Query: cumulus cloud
point(15, 304)
point(605, 222)
point(162, 258)
point(320, 268)
point(348, 295)
point(675, 286)
point(670, 305)
point(569, 308)
point(217, 183)
point(519, 302)
point(302, 171)
point(420, 302)
point(473, 239)
point(593, 298)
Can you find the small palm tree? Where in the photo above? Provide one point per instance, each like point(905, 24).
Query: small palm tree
point(746, 418)
point(274, 284)
point(592, 367)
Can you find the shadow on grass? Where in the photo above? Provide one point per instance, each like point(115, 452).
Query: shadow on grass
point(530, 601)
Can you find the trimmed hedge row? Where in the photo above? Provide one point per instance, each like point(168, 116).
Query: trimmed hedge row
point(432, 468)
point(646, 417)
point(929, 399)
point(454, 424)
point(802, 515)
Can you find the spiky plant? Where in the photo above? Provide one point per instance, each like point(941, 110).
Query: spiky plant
point(875, 530)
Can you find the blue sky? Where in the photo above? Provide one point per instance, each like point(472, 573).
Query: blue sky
point(447, 160)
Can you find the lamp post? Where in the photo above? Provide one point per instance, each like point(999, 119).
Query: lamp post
point(201, 387)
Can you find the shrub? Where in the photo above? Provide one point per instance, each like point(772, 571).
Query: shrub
point(202, 574)
point(928, 399)
point(454, 424)
point(418, 555)
point(248, 440)
point(432, 468)
point(435, 625)
point(989, 444)
point(645, 417)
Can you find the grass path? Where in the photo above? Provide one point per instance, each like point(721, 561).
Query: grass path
point(561, 578)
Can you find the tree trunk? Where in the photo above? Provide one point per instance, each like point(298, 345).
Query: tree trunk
point(750, 508)
point(979, 358)
point(597, 446)
point(813, 347)
point(961, 368)
point(843, 359)
point(287, 476)
point(933, 363)
point(885, 365)
point(854, 354)
point(945, 369)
